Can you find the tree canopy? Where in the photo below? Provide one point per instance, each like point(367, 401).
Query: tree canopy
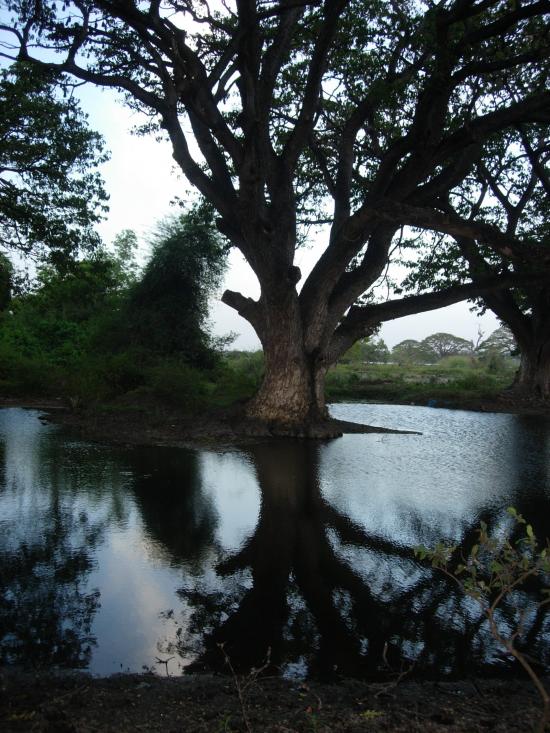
point(510, 189)
point(501, 343)
point(356, 113)
point(368, 350)
point(411, 351)
point(446, 344)
point(168, 306)
point(51, 194)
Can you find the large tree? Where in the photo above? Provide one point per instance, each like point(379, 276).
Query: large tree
point(51, 193)
point(446, 344)
point(509, 190)
point(353, 112)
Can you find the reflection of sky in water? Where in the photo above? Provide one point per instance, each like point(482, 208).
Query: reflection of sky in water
point(135, 589)
point(230, 480)
point(421, 488)
point(161, 519)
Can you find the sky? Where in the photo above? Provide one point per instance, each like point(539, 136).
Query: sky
point(142, 181)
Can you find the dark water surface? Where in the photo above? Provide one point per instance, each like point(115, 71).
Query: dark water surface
point(115, 558)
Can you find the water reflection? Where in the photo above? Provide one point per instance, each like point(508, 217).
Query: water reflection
point(179, 518)
point(320, 593)
point(111, 556)
point(46, 555)
point(46, 612)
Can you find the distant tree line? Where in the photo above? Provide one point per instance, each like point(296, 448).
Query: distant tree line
point(493, 350)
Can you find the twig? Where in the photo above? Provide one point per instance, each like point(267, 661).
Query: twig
point(243, 687)
point(165, 662)
point(393, 683)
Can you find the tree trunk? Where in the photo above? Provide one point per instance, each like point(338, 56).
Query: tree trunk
point(533, 375)
point(291, 396)
point(292, 392)
point(531, 329)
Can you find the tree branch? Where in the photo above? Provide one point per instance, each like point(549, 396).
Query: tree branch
point(361, 320)
point(246, 307)
point(300, 134)
point(507, 245)
point(533, 109)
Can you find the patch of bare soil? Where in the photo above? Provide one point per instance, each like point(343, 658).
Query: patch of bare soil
point(156, 424)
point(77, 703)
point(509, 402)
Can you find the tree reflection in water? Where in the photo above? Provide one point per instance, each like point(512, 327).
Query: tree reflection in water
point(48, 537)
point(316, 587)
point(325, 596)
point(180, 518)
point(46, 612)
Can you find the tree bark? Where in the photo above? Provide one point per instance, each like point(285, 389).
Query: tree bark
point(527, 317)
point(292, 392)
point(533, 375)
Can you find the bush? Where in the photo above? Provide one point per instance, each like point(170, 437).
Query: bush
point(179, 384)
point(491, 574)
point(458, 361)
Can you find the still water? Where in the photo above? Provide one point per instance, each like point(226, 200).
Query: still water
point(116, 558)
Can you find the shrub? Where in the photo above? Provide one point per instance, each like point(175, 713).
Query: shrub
point(179, 384)
point(491, 573)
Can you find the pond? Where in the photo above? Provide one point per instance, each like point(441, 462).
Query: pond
point(123, 559)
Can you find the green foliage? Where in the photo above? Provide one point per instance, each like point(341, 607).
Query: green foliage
point(48, 338)
point(411, 351)
point(179, 384)
point(498, 350)
point(6, 280)
point(92, 331)
point(494, 564)
point(50, 193)
point(455, 380)
point(239, 377)
point(456, 362)
point(494, 568)
point(125, 245)
point(367, 350)
point(445, 344)
point(168, 307)
point(500, 343)
point(375, 350)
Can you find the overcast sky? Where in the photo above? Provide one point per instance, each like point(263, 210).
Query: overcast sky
point(142, 181)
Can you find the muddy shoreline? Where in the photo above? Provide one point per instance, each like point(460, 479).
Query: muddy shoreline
point(78, 703)
point(158, 424)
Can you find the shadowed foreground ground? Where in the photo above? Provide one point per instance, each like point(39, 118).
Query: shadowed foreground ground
point(81, 704)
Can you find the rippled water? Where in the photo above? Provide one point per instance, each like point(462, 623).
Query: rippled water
point(119, 558)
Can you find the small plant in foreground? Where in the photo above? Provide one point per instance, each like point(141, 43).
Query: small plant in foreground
point(243, 685)
point(494, 568)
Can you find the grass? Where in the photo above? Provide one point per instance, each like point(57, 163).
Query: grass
point(128, 378)
point(445, 383)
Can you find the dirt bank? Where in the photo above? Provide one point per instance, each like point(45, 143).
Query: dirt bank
point(152, 423)
point(155, 424)
point(81, 704)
